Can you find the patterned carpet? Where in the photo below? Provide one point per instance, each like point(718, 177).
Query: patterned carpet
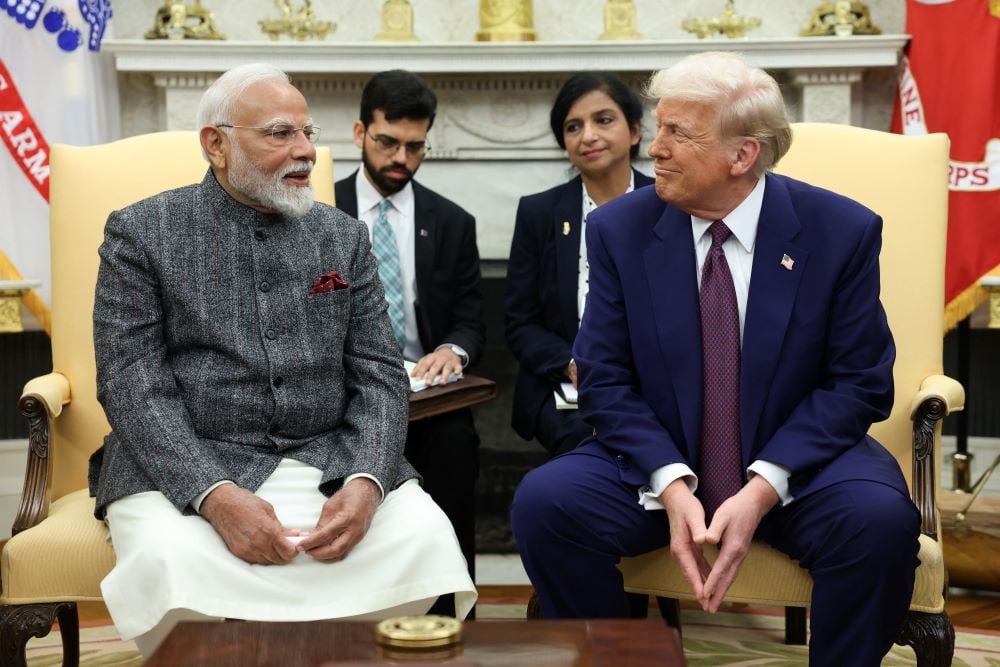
point(736, 638)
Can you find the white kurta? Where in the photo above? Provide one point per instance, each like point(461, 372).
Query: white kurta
point(169, 561)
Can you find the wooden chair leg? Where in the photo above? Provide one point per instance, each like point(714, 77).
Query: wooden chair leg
point(670, 611)
point(795, 625)
point(931, 636)
point(19, 623)
point(534, 607)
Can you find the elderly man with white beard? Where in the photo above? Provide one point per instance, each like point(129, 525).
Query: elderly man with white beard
point(256, 395)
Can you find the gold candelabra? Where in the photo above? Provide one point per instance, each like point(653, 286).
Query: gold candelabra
point(298, 24)
point(177, 20)
point(842, 18)
point(728, 23)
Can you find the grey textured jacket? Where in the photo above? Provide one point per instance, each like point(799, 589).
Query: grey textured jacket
point(214, 361)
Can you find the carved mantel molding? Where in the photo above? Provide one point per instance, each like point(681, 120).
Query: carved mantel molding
point(139, 55)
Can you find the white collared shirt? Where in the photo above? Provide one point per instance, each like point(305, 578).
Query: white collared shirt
point(583, 275)
point(738, 248)
point(401, 216)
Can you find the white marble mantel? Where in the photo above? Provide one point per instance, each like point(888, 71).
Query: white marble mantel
point(492, 128)
point(139, 55)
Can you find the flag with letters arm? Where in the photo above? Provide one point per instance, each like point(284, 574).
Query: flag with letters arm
point(950, 82)
point(55, 87)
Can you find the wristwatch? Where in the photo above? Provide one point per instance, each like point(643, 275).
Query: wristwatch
point(462, 354)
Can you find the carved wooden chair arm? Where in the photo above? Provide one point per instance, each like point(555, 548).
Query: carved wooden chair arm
point(938, 396)
point(43, 399)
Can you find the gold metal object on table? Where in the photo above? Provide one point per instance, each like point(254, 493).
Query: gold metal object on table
point(506, 21)
point(298, 24)
point(397, 22)
point(619, 20)
point(728, 23)
point(419, 632)
point(177, 20)
point(842, 18)
point(11, 293)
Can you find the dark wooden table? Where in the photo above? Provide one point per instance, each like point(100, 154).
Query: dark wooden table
point(617, 643)
point(433, 401)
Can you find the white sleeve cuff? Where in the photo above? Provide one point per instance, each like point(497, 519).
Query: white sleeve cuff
point(649, 496)
point(775, 475)
point(200, 498)
point(381, 491)
point(457, 349)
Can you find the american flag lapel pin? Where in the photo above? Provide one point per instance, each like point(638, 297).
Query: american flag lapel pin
point(787, 262)
point(424, 232)
point(566, 228)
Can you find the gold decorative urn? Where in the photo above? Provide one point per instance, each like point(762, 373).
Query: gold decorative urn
point(506, 21)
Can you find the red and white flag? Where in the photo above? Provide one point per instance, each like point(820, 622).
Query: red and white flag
point(55, 87)
point(950, 82)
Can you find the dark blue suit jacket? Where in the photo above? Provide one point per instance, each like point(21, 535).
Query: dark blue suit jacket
point(540, 306)
point(817, 352)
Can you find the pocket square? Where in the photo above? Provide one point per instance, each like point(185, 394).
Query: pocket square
point(328, 282)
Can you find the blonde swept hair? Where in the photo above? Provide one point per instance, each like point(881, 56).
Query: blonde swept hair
point(747, 99)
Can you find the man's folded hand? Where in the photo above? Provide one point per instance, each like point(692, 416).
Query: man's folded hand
point(248, 526)
point(344, 520)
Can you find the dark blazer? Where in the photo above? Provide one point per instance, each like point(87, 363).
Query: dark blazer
point(540, 306)
point(817, 355)
point(449, 305)
point(215, 360)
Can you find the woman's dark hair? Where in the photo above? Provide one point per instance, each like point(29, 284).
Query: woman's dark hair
point(582, 83)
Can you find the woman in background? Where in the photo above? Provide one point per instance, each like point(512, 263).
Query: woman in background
point(596, 118)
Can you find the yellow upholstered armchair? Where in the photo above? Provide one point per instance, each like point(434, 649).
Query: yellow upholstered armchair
point(904, 179)
point(59, 552)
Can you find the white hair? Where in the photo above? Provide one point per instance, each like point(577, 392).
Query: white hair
point(218, 102)
point(748, 100)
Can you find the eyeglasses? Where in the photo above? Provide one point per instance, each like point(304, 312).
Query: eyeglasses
point(387, 145)
point(281, 135)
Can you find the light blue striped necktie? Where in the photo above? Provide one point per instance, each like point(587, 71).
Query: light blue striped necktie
point(390, 270)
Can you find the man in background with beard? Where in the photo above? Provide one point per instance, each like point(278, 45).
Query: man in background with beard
point(256, 396)
point(429, 267)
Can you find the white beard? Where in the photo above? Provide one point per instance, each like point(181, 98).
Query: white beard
point(267, 190)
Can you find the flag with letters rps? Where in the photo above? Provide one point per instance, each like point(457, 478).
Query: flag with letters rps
point(950, 82)
point(55, 87)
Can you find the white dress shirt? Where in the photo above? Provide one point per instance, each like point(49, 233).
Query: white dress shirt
point(738, 248)
point(401, 216)
point(583, 277)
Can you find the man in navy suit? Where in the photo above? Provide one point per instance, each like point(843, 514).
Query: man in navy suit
point(724, 280)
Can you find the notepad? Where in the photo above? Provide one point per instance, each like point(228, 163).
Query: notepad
point(566, 396)
point(419, 384)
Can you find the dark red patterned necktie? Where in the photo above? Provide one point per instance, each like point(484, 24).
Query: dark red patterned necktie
point(721, 473)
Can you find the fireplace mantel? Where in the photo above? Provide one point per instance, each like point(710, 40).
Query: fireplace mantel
point(188, 56)
point(492, 130)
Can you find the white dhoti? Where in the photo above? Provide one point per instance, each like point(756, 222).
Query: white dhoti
point(169, 564)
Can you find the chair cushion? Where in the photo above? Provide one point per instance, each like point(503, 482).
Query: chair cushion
point(769, 577)
point(65, 557)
